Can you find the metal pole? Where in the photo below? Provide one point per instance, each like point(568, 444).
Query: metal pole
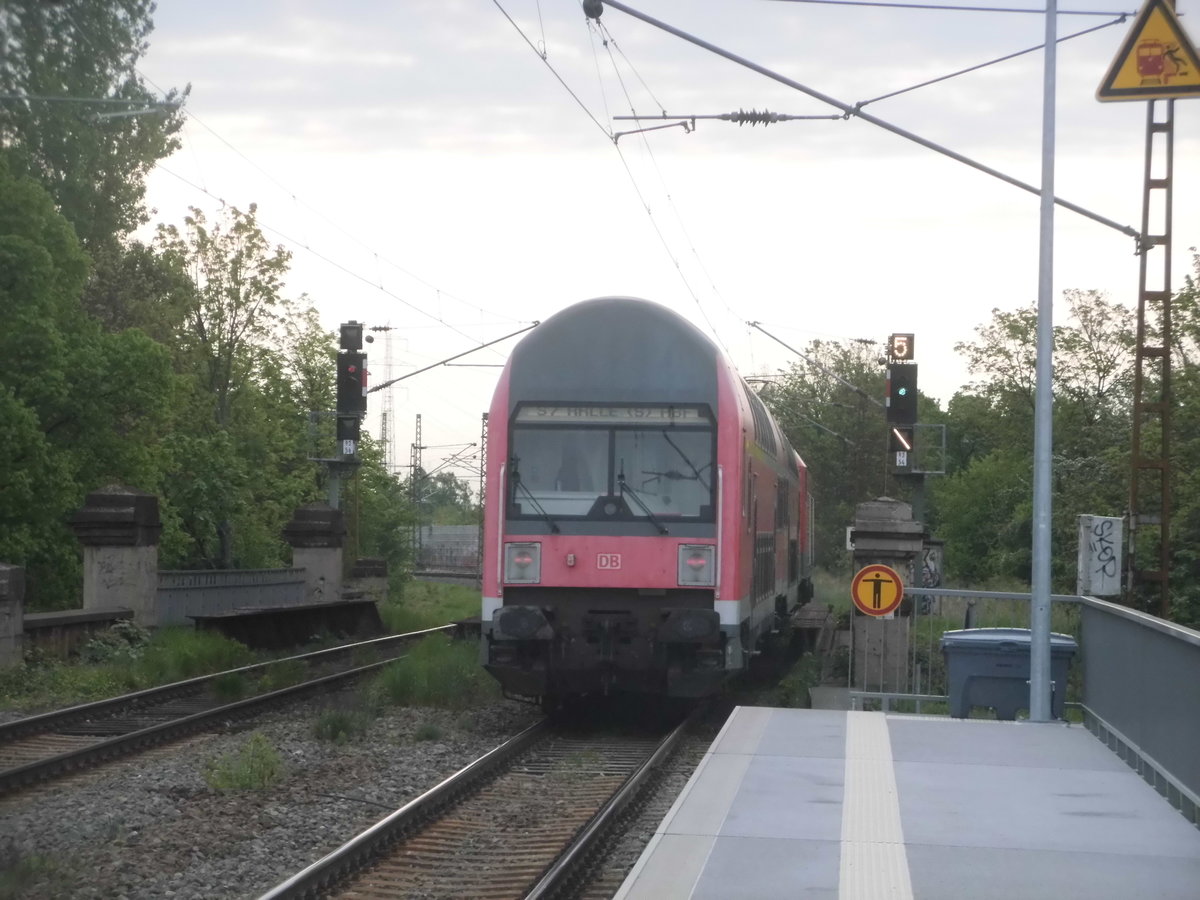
point(1043, 436)
point(334, 486)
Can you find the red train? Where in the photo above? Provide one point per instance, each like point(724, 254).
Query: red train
point(648, 525)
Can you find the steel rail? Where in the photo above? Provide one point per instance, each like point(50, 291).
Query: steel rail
point(126, 744)
point(357, 852)
point(567, 868)
point(49, 721)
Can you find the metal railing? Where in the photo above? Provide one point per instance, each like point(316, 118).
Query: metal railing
point(216, 591)
point(1134, 682)
point(1141, 691)
point(913, 663)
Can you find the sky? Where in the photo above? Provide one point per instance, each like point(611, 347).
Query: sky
point(446, 169)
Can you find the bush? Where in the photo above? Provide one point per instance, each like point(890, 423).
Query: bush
point(45, 682)
point(37, 685)
point(437, 672)
point(176, 654)
point(343, 725)
point(282, 674)
point(792, 691)
point(124, 641)
point(427, 605)
point(255, 766)
point(230, 687)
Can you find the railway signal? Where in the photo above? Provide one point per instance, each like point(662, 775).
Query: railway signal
point(351, 387)
point(902, 394)
point(901, 405)
point(352, 383)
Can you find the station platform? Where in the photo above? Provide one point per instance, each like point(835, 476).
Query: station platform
point(813, 803)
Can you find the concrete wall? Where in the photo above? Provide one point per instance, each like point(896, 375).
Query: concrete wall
point(181, 595)
point(121, 578)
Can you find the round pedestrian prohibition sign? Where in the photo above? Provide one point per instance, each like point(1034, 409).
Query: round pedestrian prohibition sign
point(877, 590)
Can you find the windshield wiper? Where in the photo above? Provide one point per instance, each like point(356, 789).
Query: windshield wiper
point(662, 529)
point(517, 482)
point(684, 457)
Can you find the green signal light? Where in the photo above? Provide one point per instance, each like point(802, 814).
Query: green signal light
point(903, 392)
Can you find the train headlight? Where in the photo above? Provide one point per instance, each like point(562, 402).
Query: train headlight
point(523, 563)
point(697, 565)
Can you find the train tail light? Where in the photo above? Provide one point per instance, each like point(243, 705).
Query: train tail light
point(697, 565)
point(523, 563)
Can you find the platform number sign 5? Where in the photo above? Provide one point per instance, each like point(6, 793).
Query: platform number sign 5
point(900, 346)
point(608, 560)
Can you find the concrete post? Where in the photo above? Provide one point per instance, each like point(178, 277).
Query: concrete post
point(316, 534)
point(12, 614)
point(886, 534)
point(119, 528)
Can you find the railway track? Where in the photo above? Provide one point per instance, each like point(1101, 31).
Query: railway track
point(51, 745)
point(527, 819)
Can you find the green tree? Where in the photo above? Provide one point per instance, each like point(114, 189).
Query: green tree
point(830, 407)
point(378, 511)
point(1185, 449)
point(255, 363)
point(66, 63)
point(983, 508)
point(78, 407)
point(444, 499)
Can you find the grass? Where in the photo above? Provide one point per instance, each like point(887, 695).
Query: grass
point(282, 674)
point(126, 658)
point(178, 653)
point(340, 726)
point(230, 687)
point(172, 654)
point(437, 672)
point(256, 765)
point(792, 690)
point(427, 605)
point(18, 876)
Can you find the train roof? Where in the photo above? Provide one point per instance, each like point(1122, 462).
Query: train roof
point(616, 348)
point(625, 349)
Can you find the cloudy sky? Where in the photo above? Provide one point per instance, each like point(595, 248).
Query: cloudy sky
point(433, 173)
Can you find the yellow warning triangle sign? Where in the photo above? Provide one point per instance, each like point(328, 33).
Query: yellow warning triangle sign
point(1157, 61)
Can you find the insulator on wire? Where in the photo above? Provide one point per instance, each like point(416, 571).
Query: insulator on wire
point(753, 117)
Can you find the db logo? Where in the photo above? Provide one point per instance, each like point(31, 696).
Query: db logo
point(608, 560)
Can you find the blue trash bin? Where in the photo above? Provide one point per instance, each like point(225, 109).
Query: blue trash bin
point(990, 667)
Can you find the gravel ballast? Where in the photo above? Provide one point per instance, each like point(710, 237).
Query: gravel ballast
point(152, 827)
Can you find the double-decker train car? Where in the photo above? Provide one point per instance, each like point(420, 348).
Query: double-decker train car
point(647, 525)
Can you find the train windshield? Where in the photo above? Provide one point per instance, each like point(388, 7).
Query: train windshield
point(606, 463)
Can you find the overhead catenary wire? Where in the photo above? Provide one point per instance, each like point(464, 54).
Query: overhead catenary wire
point(944, 7)
point(608, 42)
point(624, 162)
point(812, 362)
point(850, 110)
point(861, 103)
point(191, 115)
point(337, 265)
